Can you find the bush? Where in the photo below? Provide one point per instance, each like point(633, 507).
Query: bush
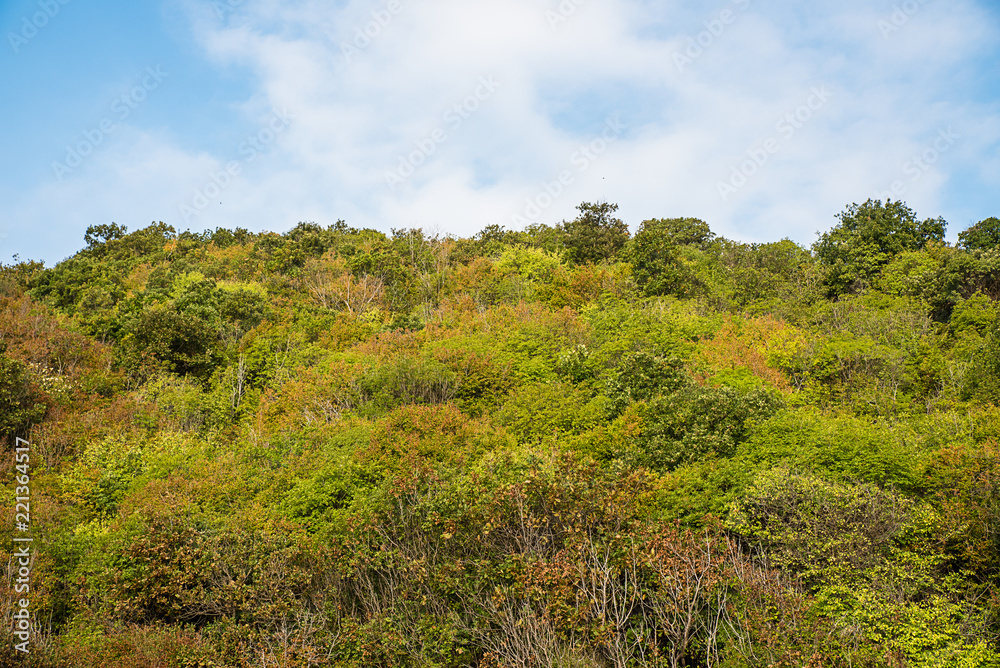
point(594, 236)
point(643, 376)
point(867, 238)
point(836, 447)
point(166, 337)
point(983, 378)
point(483, 381)
point(21, 405)
point(696, 422)
point(657, 260)
point(816, 529)
point(984, 235)
point(542, 411)
point(410, 381)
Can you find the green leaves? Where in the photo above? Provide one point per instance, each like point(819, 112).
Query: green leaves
point(20, 404)
point(346, 448)
point(983, 236)
point(841, 447)
point(167, 337)
point(594, 236)
point(643, 376)
point(98, 235)
point(657, 261)
point(695, 422)
point(868, 236)
point(816, 529)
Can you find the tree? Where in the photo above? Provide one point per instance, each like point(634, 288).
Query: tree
point(97, 235)
point(182, 337)
point(642, 377)
point(594, 235)
point(684, 231)
point(656, 257)
point(765, 271)
point(380, 260)
point(694, 422)
point(984, 235)
point(867, 238)
point(982, 381)
point(19, 407)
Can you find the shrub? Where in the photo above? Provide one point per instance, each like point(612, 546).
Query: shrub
point(21, 405)
point(544, 410)
point(836, 447)
point(696, 422)
point(594, 236)
point(643, 376)
point(658, 261)
point(984, 235)
point(867, 238)
point(817, 529)
point(408, 380)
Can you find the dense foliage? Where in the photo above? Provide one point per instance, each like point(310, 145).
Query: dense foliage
point(559, 446)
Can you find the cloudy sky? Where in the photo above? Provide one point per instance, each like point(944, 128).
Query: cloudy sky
point(763, 118)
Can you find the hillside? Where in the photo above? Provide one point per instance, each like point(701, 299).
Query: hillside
point(562, 446)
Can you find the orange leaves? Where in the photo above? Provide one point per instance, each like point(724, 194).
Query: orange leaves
point(436, 433)
point(37, 335)
point(968, 492)
point(576, 286)
point(751, 344)
point(391, 343)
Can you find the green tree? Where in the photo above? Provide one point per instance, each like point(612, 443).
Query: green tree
point(940, 275)
point(984, 235)
point(540, 235)
point(982, 382)
point(867, 238)
point(223, 238)
point(657, 259)
point(816, 528)
point(381, 260)
point(181, 335)
point(642, 377)
point(770, 271)
point(97, 235)
point(19, 405)
point(695, 421)
point(595, 235)
point(685, 231)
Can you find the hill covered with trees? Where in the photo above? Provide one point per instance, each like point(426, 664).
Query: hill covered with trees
point(564, 446)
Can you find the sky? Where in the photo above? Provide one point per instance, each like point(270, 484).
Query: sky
point(763, 118)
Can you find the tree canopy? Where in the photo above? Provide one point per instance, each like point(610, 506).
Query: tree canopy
point(867, 238)
point(554, 446)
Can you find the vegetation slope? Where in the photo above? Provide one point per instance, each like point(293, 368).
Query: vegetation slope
point(563, 446)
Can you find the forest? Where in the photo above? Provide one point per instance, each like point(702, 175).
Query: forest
point(568, 446)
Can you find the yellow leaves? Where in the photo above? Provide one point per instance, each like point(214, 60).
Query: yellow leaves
point(760, 345)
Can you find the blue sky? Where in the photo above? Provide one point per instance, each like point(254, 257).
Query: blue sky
point(761, 118)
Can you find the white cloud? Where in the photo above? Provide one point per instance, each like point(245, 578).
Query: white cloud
point(688, 128)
